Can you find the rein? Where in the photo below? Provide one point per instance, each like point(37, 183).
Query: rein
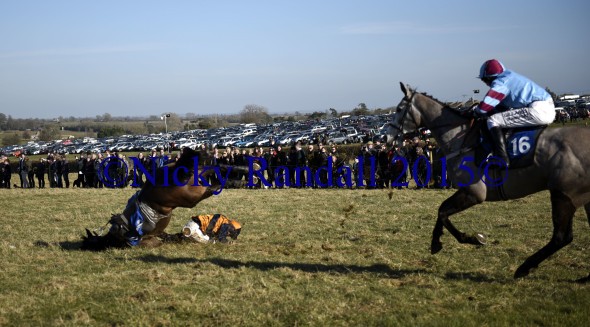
point(469, 134)
point(471, 131)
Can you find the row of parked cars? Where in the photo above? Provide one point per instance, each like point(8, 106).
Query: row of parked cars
point(332, 131)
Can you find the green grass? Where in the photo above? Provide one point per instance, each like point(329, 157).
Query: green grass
point(304, 257)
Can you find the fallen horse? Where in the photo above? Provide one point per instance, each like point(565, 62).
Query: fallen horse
point(148, 212)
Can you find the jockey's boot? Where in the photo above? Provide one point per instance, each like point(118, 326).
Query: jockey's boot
point(500, 144)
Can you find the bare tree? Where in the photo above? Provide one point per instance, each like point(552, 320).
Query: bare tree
point(360, 110)
point(334, 112)
point(256, 114)
point(174, 123)
point(50, 132)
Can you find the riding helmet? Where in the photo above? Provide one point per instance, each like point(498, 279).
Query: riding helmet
point(491, 68)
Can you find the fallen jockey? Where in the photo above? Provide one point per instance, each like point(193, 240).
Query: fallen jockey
point(211, 228)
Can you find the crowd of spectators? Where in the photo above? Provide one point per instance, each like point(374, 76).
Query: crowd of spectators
point(572, 114)
point(369, 165)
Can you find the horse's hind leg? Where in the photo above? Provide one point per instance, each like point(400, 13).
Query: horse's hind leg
point(562, 210)
point(461, 200)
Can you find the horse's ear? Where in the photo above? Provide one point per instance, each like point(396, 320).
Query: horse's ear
point(405, 90)
point(88, 233)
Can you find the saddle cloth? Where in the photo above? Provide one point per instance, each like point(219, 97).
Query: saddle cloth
point(142, 220)
point(521, 143)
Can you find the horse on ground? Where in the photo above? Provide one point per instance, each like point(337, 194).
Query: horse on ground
point(172, 186)
point(560, 165)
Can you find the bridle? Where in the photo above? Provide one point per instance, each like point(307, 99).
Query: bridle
point(398, 125)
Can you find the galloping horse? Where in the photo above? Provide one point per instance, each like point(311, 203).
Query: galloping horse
point(561, 165)
point(174, 187)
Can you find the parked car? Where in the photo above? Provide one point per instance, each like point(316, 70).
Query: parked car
point(318, 129)
point(246, 142)
point(339, 138)
point(304, 138)
point(352, 133)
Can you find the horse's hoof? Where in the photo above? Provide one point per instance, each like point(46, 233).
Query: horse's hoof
point(435, 247)
point(583, 280)
point(477, 239)
point(521, 272)
point(481, 239)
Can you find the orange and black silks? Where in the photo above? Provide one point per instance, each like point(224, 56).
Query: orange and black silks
point(218, 226)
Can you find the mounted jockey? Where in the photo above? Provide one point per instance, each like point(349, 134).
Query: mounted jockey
point(519, 101)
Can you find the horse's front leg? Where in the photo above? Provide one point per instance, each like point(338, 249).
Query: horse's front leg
point(462, 199)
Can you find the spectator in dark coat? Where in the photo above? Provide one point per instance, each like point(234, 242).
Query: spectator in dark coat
point(65, 167)
point(89, 170)
point(59, 171)
point(40, 172)
point(6, 173)
point(80, 181)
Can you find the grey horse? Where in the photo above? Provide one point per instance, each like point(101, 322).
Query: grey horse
point(561, 165)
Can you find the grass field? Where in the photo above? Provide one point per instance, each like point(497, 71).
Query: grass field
point(304, 258)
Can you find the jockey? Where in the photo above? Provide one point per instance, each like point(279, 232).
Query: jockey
point(205, 228)
point(527, 103)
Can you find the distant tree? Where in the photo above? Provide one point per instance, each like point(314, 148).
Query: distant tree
point(190, 115)
point(49, 132)
point(10, 123)
point(360, 110)
point(205, 123)
point(110, 131)
point(11, 139)
point(107, 117)
point(174, 123)
point(333, 112)
point(317, 115)
point(151, 129)
point(3, 121)
point(26, 136)
point(256, 114)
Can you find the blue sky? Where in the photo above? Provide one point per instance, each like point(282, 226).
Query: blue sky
point(141, 58)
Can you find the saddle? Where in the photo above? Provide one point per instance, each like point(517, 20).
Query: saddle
point(521, 143)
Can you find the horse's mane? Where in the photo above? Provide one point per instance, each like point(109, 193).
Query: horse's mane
point(457, 107)
point(432, 98)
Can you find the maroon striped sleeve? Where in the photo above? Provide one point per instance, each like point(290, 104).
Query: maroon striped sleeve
point(496, 95)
